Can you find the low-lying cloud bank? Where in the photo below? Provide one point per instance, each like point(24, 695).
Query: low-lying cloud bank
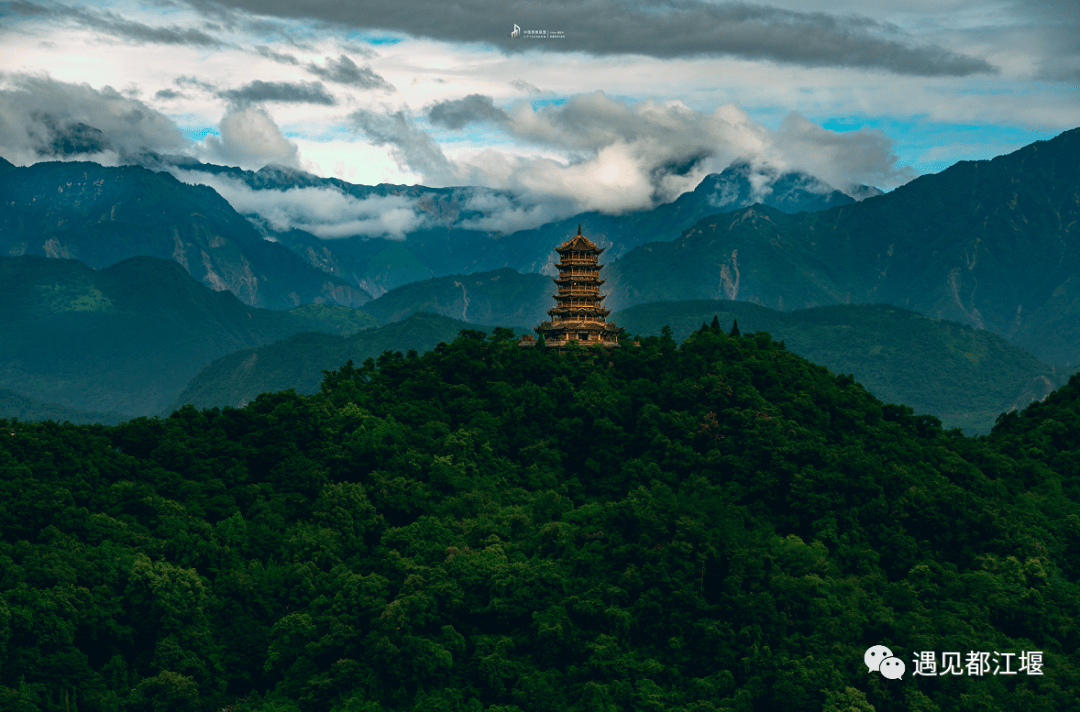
point(330, 213)
point(590, 153)
point(42, 119)
point(634, 156)
point(324, 212)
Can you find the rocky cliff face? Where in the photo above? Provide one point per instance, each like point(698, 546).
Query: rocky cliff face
point(992, 244)
point(101, 216)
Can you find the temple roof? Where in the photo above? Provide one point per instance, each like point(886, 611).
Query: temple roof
point(571, 325)
point(578, 295)
point(579, 243)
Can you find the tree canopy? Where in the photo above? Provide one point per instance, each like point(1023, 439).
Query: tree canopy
point(713, 525)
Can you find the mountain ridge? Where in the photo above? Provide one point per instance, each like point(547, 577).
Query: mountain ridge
point(993, 244)
point(126, 338)
point(447, 246)
point(104, 215)
point(299, 361)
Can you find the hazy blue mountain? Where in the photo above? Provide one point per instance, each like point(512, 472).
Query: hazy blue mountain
point(531, 250)
point(101, 216)
point(16, 405)
point(961, 375)
point(446, 245)
point(992, 244)
point(127, 338)
point(298, 361)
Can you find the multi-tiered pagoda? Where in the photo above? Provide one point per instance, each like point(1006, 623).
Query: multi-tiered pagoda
point(578, 313)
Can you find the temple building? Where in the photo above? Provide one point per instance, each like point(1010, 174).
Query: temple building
point(578, 314)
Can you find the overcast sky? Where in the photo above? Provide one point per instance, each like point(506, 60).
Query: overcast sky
point(603, 105)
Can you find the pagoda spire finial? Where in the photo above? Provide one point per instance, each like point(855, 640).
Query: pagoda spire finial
point(579, 228)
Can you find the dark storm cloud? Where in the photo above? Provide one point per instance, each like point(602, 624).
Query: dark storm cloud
point(44, 118)
point(186, 81)
point(459, 113)
point(168, 94)
point(282, 92)
point(277, 56)
point(57, 137)
point(344, 71)
point(1061, 52)
point(410, 147)
point(669, 29)
point(627, 156)
point(110, 23)
point(354, 48)
point(522, 85)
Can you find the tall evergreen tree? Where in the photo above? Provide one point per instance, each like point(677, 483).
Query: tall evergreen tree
point(667, 339)
point(735, 328)
point(715, 326)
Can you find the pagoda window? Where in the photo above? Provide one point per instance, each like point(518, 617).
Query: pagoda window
point(583, 336)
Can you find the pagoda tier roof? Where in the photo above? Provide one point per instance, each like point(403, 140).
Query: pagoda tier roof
point(578, 311)
point(579, 277)
point(593, 295)
point(579, 243)
point(569, 325)
point(592, 267)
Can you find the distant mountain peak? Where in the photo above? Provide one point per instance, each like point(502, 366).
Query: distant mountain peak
point(745, 182)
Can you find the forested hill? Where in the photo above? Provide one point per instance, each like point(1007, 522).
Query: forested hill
point(716, 525)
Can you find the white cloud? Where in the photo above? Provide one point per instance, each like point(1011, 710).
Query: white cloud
point(44, 119)
point(324, 212)
point(615, 156)
point(249, 139)
point(504, 213)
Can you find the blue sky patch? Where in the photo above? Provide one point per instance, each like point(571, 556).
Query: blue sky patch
point(200, 133)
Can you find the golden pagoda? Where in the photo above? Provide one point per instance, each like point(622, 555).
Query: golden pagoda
point(578, 314)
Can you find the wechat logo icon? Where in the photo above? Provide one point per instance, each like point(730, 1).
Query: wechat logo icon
point(880, 659)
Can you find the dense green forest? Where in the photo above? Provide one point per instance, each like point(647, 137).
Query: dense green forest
point(963, 376)
point(299, 361)
point(713, 525)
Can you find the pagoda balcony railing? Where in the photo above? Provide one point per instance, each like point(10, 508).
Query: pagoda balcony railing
point(579, 320)
point(578, 261)
point(581, 311)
